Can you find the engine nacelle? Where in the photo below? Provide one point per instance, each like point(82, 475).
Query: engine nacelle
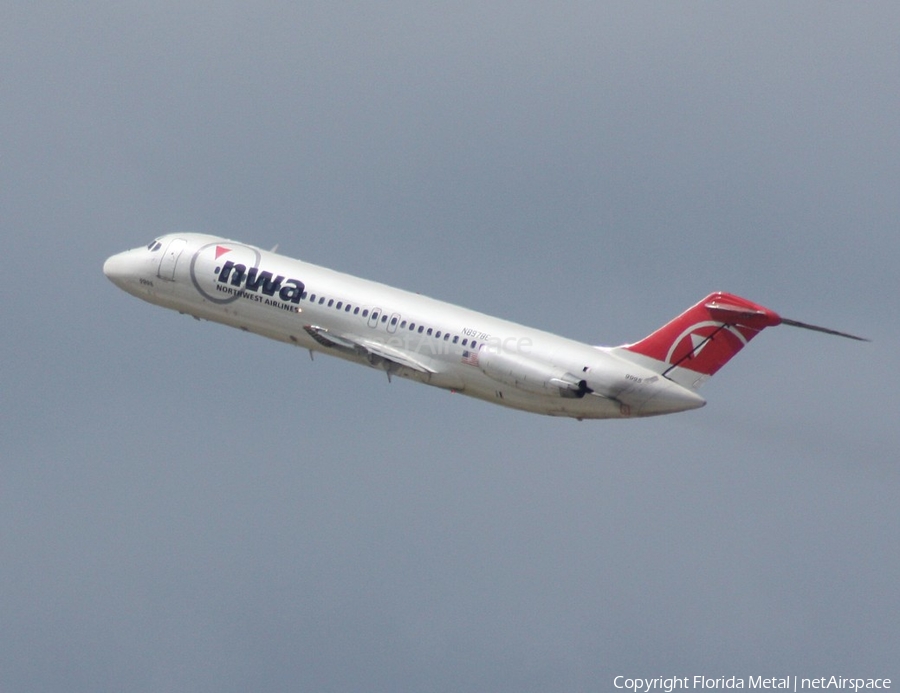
point(528, 374)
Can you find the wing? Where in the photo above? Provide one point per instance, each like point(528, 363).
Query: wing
point(377, 353)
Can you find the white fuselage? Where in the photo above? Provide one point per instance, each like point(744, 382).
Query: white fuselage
point(400, 332)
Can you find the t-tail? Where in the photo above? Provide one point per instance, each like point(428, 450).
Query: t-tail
point(694, 346)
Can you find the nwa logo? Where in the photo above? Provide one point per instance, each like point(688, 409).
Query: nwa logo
point(254, 280)
point(240, 277)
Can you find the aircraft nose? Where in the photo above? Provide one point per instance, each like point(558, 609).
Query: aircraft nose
point(116, 268)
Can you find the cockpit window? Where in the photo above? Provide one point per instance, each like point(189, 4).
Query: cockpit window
point(154, 246)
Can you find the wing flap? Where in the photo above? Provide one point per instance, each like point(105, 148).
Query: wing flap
point(393, 355)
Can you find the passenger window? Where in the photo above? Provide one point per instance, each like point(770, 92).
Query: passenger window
point(465, 341)
point(321, 300)
point(446, 336)
point(339, 304)
point(412, 326)
point(366, 313)
point(312, 298)
point(384, 318)
point(421, 329)
point(356, 310)
point(330, 302)
point(303, 296)
point(474, 344)
point(403, 324)
point(347, 309)
point(393, 321)
point(428, 332)
point(437, 334)
point(455, 338)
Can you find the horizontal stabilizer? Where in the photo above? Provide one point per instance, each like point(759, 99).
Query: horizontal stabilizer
point(826, 330)
point(734, 313)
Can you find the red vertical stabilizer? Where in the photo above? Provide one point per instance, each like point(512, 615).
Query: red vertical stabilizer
point(707, 335)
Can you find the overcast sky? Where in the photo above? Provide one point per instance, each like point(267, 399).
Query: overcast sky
point(184, 507)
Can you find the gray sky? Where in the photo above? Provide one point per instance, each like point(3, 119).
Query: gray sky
point(187, 507)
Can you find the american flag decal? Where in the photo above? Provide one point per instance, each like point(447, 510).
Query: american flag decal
point(470, 358)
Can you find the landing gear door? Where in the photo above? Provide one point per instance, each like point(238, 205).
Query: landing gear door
point(170, 258)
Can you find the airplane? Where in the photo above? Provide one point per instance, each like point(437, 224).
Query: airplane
point(429, 341)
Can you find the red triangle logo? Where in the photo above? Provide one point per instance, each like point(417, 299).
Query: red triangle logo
point(221, 251)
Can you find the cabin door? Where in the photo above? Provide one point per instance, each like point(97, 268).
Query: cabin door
point(169, 258)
